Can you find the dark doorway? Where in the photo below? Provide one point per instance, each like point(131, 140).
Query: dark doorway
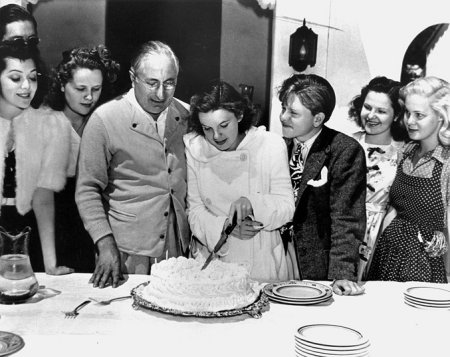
point(191, 27)
point(415, 60)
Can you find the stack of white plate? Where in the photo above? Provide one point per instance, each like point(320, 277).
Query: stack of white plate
point(427, 297)
point(325, 340)
point(296, 292)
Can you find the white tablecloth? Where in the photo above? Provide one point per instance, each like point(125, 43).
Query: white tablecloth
point(393, 328)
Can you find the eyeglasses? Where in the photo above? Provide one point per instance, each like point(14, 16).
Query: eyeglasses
point(154, 85)
point(22, 42)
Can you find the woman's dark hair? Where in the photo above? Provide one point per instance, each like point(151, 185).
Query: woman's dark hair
point(91, 58)
point(386, 86)
point(24, 53)
point(12, 13)
point(221, 95)
point(314, 92)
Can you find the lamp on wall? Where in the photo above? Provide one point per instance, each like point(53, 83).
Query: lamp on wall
point(302, 48)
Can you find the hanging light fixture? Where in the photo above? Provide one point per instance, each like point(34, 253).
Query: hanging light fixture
point(302, 48)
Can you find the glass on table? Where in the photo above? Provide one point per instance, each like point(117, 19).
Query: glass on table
point(17, 280)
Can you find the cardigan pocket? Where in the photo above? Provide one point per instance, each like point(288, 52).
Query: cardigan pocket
point(121, 215)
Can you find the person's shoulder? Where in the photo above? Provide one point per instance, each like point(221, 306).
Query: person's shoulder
point(408, 147)
point(46, 117)
point(445, 153)
point(339, 139)
point(190, 138)
point(112, 106)
point(267, 137)
point(359, 135)
point(181, 107)
point(183, 104)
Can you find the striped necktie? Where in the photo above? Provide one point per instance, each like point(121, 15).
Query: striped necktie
point(296, 166)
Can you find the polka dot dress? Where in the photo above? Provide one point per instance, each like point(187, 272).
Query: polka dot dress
point(399, 255)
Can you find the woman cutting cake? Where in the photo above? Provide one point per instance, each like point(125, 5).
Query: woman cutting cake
point(237, 169)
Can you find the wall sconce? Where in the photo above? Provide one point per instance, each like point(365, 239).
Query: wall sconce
point(302, 48)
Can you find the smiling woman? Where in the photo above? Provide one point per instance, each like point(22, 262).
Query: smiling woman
point(413, 245)
point(34, 149)
point(238, 170)
point(377, 111)
point(78, 84)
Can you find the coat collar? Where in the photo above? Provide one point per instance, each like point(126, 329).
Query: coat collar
point(140, 119)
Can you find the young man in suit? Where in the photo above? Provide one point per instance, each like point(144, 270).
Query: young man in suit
point(328, 173)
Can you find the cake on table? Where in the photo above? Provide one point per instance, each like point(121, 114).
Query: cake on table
point(180, 284)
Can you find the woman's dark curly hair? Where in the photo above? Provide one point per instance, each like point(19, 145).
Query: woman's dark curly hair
point(98, 57)
point(389, 87)
point(221, 95)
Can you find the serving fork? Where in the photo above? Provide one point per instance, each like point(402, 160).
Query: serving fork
point(109, 301)
point(74, 313)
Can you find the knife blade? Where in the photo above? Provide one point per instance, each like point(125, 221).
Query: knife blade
point(221, 242)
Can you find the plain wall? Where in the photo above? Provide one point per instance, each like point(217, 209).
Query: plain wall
point(245, 49)
point(357, 40)
point(245, 42)
point(65, 24)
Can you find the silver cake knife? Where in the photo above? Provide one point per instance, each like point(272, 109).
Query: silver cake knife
point(221, 242)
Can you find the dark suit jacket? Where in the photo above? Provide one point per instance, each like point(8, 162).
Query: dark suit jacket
point(330, 220)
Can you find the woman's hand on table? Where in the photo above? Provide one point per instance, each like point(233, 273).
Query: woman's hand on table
point(346, 287)
point(59, 270)
point(107, 269)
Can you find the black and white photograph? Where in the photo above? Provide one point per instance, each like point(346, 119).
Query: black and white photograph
point(224, 178)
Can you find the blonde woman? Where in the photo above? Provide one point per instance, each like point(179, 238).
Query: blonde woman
point(413, 245)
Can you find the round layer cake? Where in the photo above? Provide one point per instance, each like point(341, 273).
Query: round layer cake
point(180, 284)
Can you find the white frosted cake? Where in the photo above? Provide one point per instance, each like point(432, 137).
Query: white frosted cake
point(180, 284)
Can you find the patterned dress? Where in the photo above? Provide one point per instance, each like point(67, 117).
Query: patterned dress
point(381, 168)
point(400, 255)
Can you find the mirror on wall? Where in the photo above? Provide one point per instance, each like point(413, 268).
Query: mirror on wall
point(416, 62)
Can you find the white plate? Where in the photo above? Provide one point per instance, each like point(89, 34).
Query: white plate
point(420, 307)
point(333, 349)
point(329, 353)
point(285, 292)
point(299, 302)
point(423, 301)
point(426, 302)
point(331, 335)
point(10, 343)
point(299, 291)
point(431, 294)
point(425, 306)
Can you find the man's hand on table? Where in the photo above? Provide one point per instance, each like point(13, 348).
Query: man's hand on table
point(346, 287)
point(107, 269)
